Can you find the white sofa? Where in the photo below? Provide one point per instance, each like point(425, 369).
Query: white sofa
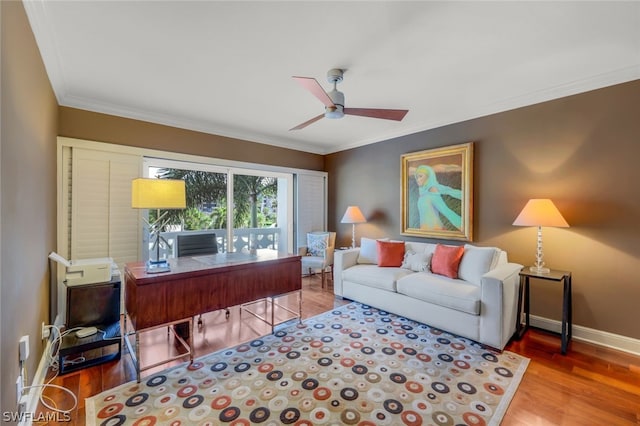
point(481, 304)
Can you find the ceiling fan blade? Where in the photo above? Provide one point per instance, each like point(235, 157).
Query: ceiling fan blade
point(306, 123)
point(387, 114)
point(312, 85)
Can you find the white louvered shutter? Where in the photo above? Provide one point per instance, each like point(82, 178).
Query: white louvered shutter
point(103, 224)
point(311, 206)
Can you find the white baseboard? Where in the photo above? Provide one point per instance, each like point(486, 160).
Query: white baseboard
point(38, 380)
point(590, 335)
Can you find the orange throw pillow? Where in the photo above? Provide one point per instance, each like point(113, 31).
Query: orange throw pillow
point(446, 260)
point(390, 253)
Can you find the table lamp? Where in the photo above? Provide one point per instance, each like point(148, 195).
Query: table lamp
point(353, 215)
point(540, 212)
point(157, 194)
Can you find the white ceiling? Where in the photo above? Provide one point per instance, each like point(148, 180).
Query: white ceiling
point(225, 67)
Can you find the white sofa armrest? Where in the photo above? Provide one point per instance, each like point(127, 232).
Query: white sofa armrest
point(343, 259)
point(499, 304)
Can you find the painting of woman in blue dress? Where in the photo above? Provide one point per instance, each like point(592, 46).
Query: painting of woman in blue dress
point(437, 193)
point(438, 205)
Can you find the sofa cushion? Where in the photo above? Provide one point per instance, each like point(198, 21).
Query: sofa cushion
point(476, 261)
point(446, 260)
point(390, 253)
point(446, 292)
point(369, 250)
point(417, 262)
point(374, 276)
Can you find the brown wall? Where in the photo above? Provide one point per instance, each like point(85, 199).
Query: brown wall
point(581, 151)
point(81, 124)
point(28, 203)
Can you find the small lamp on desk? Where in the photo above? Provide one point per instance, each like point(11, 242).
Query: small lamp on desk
point(540, 212)
point(353, 215)
point(158, 194)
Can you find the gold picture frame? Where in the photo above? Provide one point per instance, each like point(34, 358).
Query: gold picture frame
point(437, 193)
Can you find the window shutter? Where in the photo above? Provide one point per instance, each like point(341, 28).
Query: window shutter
point(103, 224)
point(311, 206)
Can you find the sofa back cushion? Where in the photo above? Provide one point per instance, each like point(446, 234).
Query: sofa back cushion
point(369, 250)
point(390, 253)
point(446, 260)
point(477, 261)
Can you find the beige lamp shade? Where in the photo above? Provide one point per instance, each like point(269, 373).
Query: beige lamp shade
point(540, 212)
point(353, 215)
point(158, 194)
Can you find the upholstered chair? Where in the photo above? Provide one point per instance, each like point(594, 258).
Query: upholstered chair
point(318, 253)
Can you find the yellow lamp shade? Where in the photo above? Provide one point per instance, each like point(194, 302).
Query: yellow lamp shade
point(158, 194)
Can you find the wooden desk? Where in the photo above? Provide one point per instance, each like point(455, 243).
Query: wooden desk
point(200, 284)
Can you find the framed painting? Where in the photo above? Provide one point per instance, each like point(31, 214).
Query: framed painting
point(437, 193)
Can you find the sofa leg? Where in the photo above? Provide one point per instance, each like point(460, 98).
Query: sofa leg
point(322, 273)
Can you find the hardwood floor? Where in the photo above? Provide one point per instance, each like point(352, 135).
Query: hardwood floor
point(591, 385)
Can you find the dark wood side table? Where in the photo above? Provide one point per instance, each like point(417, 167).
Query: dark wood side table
point(554, 275)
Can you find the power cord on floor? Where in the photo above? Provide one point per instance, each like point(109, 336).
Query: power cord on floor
point(54, 365)
point(62, 388)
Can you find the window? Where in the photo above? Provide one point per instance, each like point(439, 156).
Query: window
point(248, 210)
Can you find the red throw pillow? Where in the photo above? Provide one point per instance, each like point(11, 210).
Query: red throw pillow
point(446, 259)
point(390, 253)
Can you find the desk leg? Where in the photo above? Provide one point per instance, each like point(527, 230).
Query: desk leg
point(566, 315)
point(300, 306)
point(134, 352)
point(137, 363)
point(273, 314)
point(192, 339)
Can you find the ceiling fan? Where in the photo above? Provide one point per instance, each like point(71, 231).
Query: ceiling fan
point(334, 101)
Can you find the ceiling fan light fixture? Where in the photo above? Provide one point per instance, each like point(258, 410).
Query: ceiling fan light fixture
point(336, 111)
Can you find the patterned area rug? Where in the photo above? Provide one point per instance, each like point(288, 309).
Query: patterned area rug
point(354, 365)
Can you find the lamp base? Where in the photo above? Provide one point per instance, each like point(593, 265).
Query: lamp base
point(539, 269)
point(157, 266)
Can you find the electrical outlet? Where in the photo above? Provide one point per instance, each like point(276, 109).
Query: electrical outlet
point(45, 331)
point(19, 388)
point(24, 347)
point(23, 403)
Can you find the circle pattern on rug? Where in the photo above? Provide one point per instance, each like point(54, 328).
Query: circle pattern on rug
point(355, 365)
